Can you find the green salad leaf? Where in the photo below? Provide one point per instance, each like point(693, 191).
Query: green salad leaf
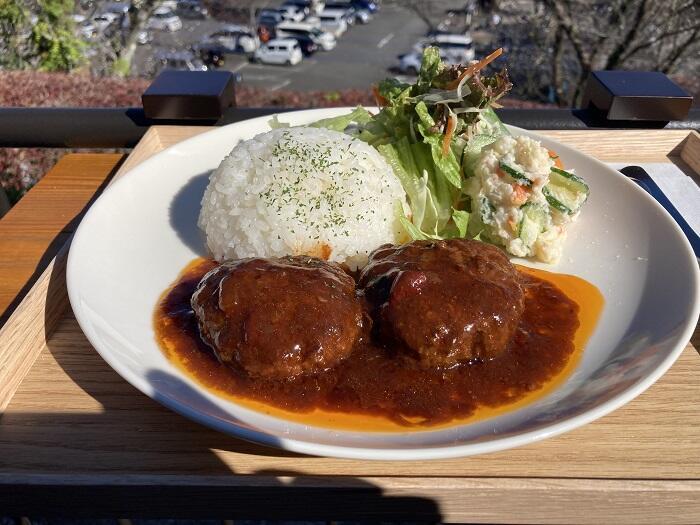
point(432, 133)
point(357, 116)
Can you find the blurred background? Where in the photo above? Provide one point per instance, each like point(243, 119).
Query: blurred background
point(311, 53)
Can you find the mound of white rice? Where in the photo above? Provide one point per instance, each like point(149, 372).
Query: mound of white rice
point(302, 191)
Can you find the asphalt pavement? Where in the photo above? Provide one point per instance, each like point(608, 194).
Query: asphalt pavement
point(364, 54)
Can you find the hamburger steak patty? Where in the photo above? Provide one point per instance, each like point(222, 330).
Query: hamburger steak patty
point(444, 302)
point(280, 317)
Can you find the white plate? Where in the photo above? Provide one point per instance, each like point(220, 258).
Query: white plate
point(142, 231)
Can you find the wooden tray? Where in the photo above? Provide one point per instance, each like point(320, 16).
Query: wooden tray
point(76, 439)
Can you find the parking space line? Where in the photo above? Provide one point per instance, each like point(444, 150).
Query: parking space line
point(384, 41)
point(239, 67)
point(281, 85)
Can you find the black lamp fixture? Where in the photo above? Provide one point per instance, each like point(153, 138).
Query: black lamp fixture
point(190, 95)
point(635, 96)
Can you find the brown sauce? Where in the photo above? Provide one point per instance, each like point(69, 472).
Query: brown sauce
point(371, 391)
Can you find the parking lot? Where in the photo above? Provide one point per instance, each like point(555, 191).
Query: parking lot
point(363, 55)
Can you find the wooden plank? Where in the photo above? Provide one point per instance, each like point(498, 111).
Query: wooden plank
point(157, 139)
point(98, 423)
point(35, 231)
point(53, 205)
point(623, 145)
point(691, 151)
point(605, 145)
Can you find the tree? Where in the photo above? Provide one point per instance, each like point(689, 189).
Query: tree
point(39, 35)
point(127, 41)
point(423, 9)
point(617, 34)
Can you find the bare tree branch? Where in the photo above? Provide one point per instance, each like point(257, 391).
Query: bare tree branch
point(657, 39)
point(679, 51)
point(614, 57)
point(562, 12)
point(557, 75)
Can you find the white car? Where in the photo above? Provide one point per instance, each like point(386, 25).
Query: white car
point(409, 64)
point(363, 16)
point(322, 39)
point(279, 51)
point(170, 5)
point(144, 37)
point(312, 7)
point(87, 30)
point(83, 26)
point(333, 21)
point(292, 12)
point(118, 8)
point(458, 48)
point(235, 38)
point(165, 20)
point(103, 21)
point(178, 60)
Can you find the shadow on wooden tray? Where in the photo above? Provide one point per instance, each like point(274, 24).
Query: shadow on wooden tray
point(134, 457)
point(112, 451)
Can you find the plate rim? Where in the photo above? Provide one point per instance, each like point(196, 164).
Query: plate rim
point(360, 452)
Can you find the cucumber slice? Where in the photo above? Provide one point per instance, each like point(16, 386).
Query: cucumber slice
point(560, 199)
point(532, 223)
point(487, 210)
point(520, 178)
point(565, 191)
point(569, 180)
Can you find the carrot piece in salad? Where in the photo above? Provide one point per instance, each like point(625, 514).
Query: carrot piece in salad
point(470, 70)
point(449, 132)
point(378, 98)
point(520, 194)
point(557, 161)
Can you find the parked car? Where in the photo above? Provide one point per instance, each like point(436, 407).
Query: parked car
point(333, 21)
point(273, 16)
point(458, 47)
point(279, 51)
point(307, 45)
point(363, 16)
point(103, 21)
point(292, 12)
point(168, 4)
point(349, 11)
point(300, 6)
point(85, 27)
point(211, 53)
point(165, 20)
point(191, 9)
point(409, 64)
point(87, 30)
point(179, 60)
point(235, 39)
point(322, 39)
point(367, 5)
point(144, 37)
point(354, 14)
point(311, 6)
point(118, 8)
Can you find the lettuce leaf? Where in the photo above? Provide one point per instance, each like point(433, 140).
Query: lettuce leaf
point(445, 103)
point(359, 115)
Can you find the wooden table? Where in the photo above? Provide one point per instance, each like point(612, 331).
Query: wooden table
point(77, 440)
